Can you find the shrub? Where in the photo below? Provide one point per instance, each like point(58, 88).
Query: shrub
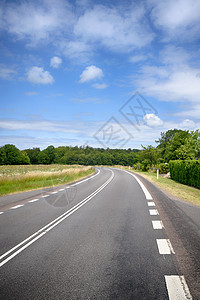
point(146, 164)
point(163, 168)
point(137, 166)
point(185, 171)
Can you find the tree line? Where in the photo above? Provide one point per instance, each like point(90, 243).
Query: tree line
point(172, 145)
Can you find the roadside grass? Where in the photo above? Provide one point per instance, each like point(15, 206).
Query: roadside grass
point(14, 179)
point(183, 192)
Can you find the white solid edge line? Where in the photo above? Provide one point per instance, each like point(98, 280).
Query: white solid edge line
point(86, 178)
point(49, 226)
point(177, 288)
point(164, 246)
point(1, 212)
point(157, 224)
point(146, 192)
point(52, 193)
point(153, 212)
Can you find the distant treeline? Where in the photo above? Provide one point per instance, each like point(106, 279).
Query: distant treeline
point(173, 144)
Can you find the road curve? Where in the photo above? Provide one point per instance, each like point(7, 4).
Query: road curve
point(108, 237)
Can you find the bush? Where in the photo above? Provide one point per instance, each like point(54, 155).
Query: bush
point(186, 172)
point(163, 168)
point(146, 164)
point(137, 166)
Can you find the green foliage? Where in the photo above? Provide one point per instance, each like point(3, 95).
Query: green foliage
point(186, 172)
point(149, 153)
point(145, 165)
point(32, 154)
point(50, 152)
point(10, 155)
point(165, 138)
point(42, 158)
point(179, 144)
point(163, 168)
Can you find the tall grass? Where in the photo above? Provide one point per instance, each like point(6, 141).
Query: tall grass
point(23, 178)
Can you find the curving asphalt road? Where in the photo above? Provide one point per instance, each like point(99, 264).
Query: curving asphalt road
point(107, 237)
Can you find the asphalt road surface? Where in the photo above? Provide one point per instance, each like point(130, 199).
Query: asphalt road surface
point(107, 237)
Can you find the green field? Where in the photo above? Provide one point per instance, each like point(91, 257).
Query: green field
point(21, 178)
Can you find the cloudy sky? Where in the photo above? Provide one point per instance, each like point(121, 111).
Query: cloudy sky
point(100, 73)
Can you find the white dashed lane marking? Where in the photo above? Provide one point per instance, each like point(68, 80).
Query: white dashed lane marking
point(153, 212)
point(34, 200)
point(177, 288)
point(157, 224)
point(176, 285)
point(17, 206)
point(164, 246)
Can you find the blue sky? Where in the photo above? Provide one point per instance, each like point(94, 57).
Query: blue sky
point(100, 73)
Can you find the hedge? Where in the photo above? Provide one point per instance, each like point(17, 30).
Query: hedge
point(186, 172)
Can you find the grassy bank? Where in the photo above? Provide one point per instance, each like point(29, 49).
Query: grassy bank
point(15, 179)
point(184, 192)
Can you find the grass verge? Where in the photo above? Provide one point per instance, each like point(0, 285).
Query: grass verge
point(41, 178)
point(181, 191)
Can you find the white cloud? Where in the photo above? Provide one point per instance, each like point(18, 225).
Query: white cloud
point(117, 28)
point(31, 93)
point(100, 86)
point(6, 73)
point(77, 33)
point(187, 124)
point(174, 78)
point(137, 58)
point(91, 73)
point(179, 85)
point(37, 125)
point(172, 81)
point(192, 111)
point(76, 50)
point(152, 120)
point(179, 18)
point(55, 62)
point(174, 56)
point(39, 75)
point(37, 22)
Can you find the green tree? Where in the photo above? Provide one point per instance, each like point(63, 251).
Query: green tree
point(2, 156)
point(11, 155)
point(43, 158)
point(175, 146)
point(32, 154)
point(59, 153)
point(150, 154)
point(165, 138)
point(50, 152)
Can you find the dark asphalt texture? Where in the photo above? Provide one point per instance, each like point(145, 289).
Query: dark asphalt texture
point(104, 250)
